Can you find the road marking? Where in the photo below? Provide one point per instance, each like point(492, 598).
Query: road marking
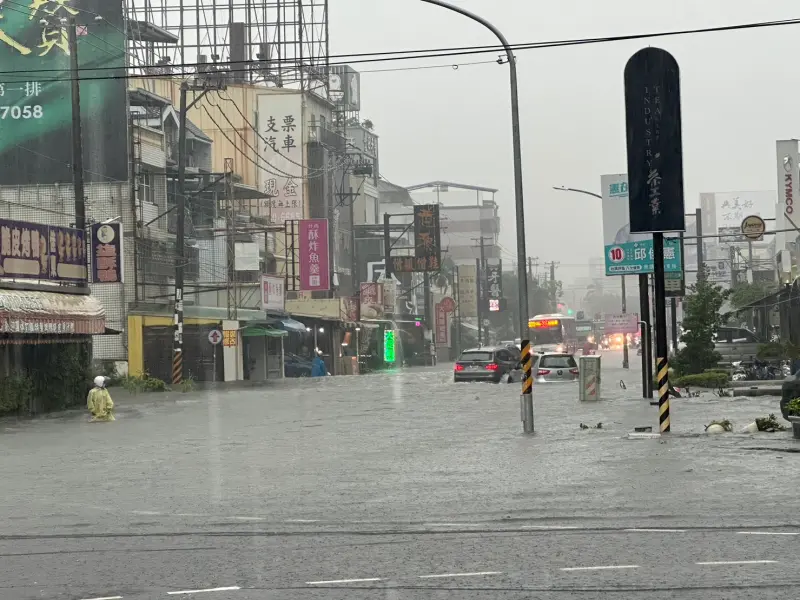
point(105, 598)
point(549, 527)
point(767, 533)
point(189, 515)
point(302, 521)
point(656, 530)
point(146, 512)
point(343, 581)
point(445, 575)
point(248, 518)
point(737, 562)
point(453, 524)
point(218, 589)
point(602, 568)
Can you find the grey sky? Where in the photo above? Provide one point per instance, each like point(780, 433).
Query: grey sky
point(739, 94)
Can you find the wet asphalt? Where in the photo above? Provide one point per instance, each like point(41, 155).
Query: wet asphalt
point(399, 485)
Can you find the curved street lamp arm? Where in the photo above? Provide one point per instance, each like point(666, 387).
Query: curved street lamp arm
point(577, 191)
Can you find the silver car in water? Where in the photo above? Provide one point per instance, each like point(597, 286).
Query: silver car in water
point(555, 367)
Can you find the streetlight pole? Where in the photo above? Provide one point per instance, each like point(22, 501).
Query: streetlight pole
point(625, 360)
point(518, 197)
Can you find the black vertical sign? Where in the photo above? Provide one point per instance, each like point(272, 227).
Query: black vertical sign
point(655, 158)
point(494, 286)
point(427, 238)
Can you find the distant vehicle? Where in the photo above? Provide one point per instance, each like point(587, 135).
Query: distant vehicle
point(553, 333)
point(555, 368)
point(486, 364)
point(736, 344)
point(296, 366)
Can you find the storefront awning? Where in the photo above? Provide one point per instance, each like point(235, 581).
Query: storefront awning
point(292, 325)
point(23, 312)
point(255, 331)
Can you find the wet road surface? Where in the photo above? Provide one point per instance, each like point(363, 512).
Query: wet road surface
point(401, 485)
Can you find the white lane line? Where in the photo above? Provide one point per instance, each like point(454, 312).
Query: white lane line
point(248, 518)
point(549, 527)
point(446, 575)
point(105, 598)
point(646, 530)
point(343, 581)
point(600, 568)
point(146, 512)
point(737, 562)
point(766, 533)
point(301, 521)
point(218, 589)
point(453, 524)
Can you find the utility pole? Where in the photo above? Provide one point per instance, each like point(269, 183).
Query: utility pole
point(481, 288)
point(230, 235)
point(732, 258)
point(77, 133)
point(180, 243)
point(701, 272)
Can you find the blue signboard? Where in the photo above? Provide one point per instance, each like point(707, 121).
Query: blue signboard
point(638, 257)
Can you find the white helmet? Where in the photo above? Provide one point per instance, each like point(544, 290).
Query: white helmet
point(100, 381)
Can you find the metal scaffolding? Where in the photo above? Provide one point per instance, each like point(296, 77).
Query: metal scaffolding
point(283, 43)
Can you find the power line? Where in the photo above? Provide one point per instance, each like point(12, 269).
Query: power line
point(390, 56)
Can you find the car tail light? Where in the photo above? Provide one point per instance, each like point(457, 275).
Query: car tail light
point(541, 372)
point(574, 371)
point(459, 367)
point(491, 367)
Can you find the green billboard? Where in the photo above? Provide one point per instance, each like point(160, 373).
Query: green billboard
point(35, 90)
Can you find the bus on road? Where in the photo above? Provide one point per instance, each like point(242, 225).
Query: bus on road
point(553, 333)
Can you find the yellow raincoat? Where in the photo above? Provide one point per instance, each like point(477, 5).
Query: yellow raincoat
point(100, 405)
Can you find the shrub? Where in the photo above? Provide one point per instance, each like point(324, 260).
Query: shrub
point(793, 408)
point(708, 379)
point(142, 383)
point(187, 385)
point(16, 393)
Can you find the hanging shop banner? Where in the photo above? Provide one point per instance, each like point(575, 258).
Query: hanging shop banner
point(282, 156)
point(273, 296)
point(468, 290)
point(315, 270)
point(494, 286)
point(427, 238)
point(371, 300)
point(35, 91)
point(106, 251)
point(45, 252)
point(655, 153)
point(629, 253)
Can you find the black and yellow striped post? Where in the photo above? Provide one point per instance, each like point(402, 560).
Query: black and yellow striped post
point(662, 370)
point(526, 399)
point(177, 367)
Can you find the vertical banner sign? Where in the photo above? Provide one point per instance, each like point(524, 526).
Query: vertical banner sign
point(273, 297)
point(655, 155)
point(788, 170)
point(106, 253)
point(280, 123)
point(389, 346)
point(494, 286)
point(35, 91)
point(467, 290)
point(371, 300)
point(427, 238)
point(315, 271)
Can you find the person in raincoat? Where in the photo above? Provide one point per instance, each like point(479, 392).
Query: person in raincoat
point(318, 368)
point(99, 401)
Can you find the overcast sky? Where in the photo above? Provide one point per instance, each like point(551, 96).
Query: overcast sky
point(739, 92)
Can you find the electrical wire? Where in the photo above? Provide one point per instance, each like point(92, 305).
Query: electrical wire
point(390, 56)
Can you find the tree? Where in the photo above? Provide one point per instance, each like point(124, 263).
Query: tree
point(701, 320)
point(747, 293)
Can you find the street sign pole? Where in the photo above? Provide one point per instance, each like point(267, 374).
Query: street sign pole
point(662, 351)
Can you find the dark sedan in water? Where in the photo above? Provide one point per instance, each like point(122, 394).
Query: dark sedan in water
point(486, 364)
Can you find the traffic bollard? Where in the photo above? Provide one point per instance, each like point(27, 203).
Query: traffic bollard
point(526, 398)
point(589, 378)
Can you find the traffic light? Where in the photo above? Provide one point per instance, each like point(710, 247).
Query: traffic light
point(580, 316)
point(569, 311)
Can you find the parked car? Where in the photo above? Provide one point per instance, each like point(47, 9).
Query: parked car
point(486, 364)
point(555, 368)
point(296, 366)
point(736, 344)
